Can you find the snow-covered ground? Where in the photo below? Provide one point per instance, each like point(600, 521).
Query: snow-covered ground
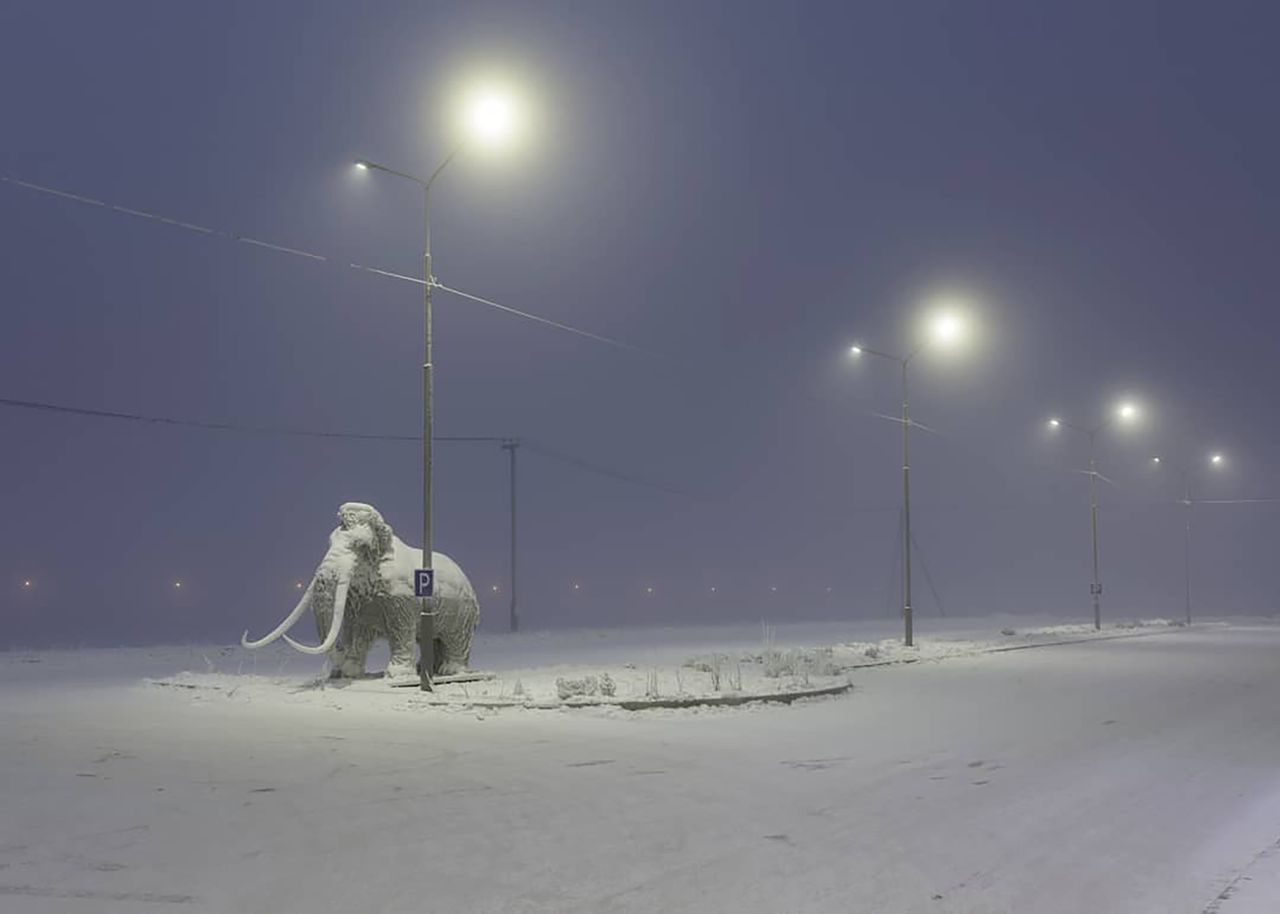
point(1135, 774)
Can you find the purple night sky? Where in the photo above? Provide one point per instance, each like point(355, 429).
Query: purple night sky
point(739, 189)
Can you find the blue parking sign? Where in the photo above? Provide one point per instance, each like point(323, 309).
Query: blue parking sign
point(424, 582)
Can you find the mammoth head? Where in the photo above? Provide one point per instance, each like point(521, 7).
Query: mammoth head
point(362, 527)
point(360, 541)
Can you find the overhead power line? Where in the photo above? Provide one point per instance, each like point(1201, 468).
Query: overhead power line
point(577, 462)
point(599, 470)
point(194, 423)
point(541, 320)
point(311, 255)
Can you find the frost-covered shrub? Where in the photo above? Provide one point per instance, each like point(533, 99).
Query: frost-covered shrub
point(577, 688)
point(711, 664)
point(823, 663)
point(586, 686)
point(782, 663)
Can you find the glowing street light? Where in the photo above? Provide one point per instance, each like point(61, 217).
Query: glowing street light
point(491, 117)
point(1214, 461)
point(945, 327)
point(1125, 412)
point(27, 584)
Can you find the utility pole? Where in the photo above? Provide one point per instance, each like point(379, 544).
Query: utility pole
point(511, 445)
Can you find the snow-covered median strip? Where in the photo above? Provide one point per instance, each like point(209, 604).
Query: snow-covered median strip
point(712, 678)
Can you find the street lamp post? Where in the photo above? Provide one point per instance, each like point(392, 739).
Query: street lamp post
point(945, 328)
point(426, 618)
point(490, 118)
point(908, 636)
point(1215, 460)
point(1126, 412)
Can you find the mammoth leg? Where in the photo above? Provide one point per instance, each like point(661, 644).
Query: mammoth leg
point(456, 621)
point(401, 622)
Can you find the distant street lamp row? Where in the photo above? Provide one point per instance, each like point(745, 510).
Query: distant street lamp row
point(490, 117)
point(1128, 412)
point(947, 326)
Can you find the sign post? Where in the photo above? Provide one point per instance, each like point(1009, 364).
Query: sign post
point(424, 585)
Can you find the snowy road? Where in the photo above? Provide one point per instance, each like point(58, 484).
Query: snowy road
point(1138, 775)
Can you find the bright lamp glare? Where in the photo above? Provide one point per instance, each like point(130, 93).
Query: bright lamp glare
point(947, 328)
point(492, 116)
point(855, 350)
point(362, 165)
point(1055, 423)
point(1216, 459)
point(1127, 411)
point(1155, 459)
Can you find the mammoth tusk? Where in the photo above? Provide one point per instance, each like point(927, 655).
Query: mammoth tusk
point(283, 626)
point(339, 609)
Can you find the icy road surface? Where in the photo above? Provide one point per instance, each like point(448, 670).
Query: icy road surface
point(1133, 775)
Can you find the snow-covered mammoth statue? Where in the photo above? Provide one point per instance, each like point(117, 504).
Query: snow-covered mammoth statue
point(363, 590)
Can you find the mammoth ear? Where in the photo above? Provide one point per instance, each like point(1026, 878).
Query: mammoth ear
point(382, 535)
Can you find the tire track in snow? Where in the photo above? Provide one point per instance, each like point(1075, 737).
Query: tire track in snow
point(1241, 878)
